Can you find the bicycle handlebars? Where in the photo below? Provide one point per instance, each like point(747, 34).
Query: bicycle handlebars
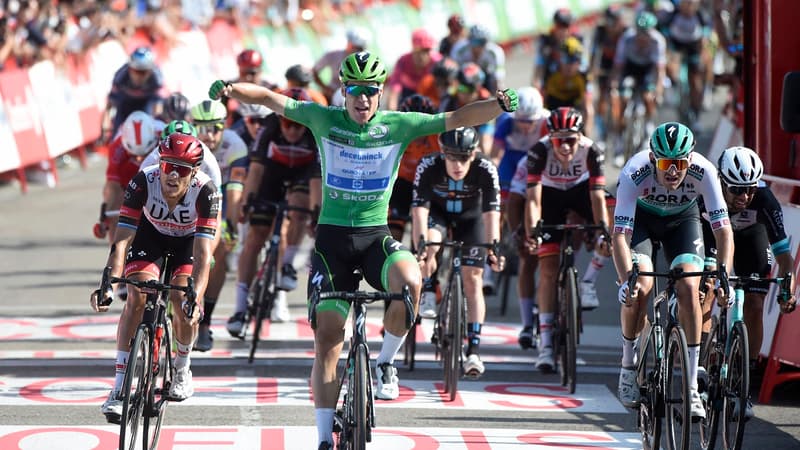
point(152, 286)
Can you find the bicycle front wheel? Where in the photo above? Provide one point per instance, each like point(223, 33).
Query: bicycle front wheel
point(135, 389)
point(453, 338)
point(676, 391)
point(711, 358)
point(570, 330)
point(264, 302)
point(736, 388)
point(162, 371)
point(360, 426)
point(651, 404)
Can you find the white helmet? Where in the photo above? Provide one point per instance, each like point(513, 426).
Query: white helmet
point(139, 133)
point(531, 105)
point(740, 166)
point(358, 37)
point(253, 110)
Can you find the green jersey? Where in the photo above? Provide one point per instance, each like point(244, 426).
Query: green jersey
point(360, 162)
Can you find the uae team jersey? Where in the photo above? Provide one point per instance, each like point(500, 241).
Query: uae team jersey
point(194, 215)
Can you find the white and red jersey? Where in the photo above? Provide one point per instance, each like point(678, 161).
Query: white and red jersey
point(122, 166)
point(586, 165)
point(194, 215)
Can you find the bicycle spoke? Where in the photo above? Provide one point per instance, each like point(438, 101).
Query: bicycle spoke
point(711, 359)
point(648, 379)
point(360, 400)
point(160, 388)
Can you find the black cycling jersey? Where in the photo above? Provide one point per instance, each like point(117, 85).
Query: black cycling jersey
point(478, 192)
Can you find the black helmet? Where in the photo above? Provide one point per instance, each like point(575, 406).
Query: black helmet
point(445, 69)
point(417, 103)
point(298, 74)
point(460, 140)
point(176, 107)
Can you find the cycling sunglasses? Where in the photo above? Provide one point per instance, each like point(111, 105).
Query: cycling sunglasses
point(210, 128)
point(457, 157)
point(290, 123)
point(559, 141)
point(665, 163)
point(357, 90)
point(182, 170)
point(739, 190)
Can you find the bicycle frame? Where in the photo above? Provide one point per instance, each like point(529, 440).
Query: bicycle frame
point(355, 419)
point(568, 326)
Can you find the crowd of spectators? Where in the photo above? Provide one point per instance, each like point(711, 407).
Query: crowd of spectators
point(35, 30)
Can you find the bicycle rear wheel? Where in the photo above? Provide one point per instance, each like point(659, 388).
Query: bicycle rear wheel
point(135, 389)
point(162, 371)
point(571, 305)
point(651, 405)
point(263, 304)
point(358, 392)
point(676, 391)
point(736, 388)
point(712, 359)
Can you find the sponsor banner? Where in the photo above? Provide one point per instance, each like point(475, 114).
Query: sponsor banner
point(279, 438)
point(23, 116)
point(53, 93)
point(239, 391)
point(84, 99)
point(9, 154)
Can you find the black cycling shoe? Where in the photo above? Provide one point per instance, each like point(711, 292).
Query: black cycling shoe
point(525, 338)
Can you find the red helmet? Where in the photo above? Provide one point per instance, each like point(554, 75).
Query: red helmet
point(297, 93)
point(249, 59)
point(182, 148)
point(565, 119)
point(455, 23)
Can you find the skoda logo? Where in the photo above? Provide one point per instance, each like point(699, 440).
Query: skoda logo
point(378, 131)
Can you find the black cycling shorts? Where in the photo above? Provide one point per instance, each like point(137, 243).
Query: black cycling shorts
point(681, 236)
point(149, 247)
point(468, 230)
point(278, 179)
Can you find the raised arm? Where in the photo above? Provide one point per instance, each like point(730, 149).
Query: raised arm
point(478, 113)
point(248, 93)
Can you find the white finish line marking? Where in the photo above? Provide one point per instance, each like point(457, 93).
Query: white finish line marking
point(253, 391)
point(292, 438)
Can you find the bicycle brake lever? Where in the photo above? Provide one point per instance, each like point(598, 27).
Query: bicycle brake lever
point(409, 303)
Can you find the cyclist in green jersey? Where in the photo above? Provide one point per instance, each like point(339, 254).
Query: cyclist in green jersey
point(360, 150)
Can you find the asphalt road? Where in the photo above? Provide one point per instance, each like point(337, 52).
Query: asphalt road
point(56, 359)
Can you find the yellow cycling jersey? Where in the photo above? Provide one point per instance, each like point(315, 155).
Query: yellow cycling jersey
point(561, 90)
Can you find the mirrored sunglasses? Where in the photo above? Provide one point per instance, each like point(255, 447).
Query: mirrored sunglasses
point(559, 141)
point(357, 90)
point(665, 164)
point(183, 170)
point(739, 190)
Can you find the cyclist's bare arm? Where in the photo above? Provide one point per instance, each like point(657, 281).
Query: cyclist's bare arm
point(621, 251)
point(491, 227)
point(786, 265)
point(119, 247)
point(203, 249)
point(253, 93)
point(597, 197)
point(419, 223)
point(533, 207)
point(234, 193)
point(251, 184)
point(474, 114)
point(112, 197)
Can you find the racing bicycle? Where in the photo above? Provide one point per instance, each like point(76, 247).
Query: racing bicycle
point(354, 419)
point(662, 364)
point(148, 377)
point(568, 325)
point(450, 328)
point(264, 287)
point(726, 359)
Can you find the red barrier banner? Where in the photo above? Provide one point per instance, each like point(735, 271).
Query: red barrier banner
point(187, 69)
point(84, 99)
point(53, 94)
point(23, 117)
point(9, 155)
